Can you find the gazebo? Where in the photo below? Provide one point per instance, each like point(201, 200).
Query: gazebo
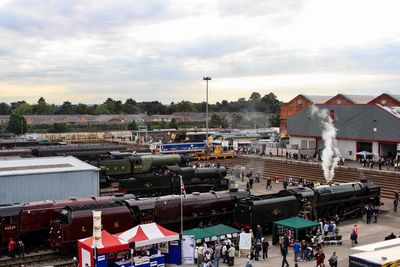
point(295, 223)
point(109, 243)
point(150, 234)
point(219, 230)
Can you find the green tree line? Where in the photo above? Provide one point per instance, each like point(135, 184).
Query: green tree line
point(268, 104)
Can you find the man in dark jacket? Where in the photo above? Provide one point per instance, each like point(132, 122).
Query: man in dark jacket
point(265, 246)
point(284, 252)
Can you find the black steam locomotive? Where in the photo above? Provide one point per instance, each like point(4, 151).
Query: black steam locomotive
point(325, 201)
point(167, 181)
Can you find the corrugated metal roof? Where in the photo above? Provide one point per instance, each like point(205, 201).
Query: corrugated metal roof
point(370, 122)
point(318, 99)
point(360, 99)
point(43, 165)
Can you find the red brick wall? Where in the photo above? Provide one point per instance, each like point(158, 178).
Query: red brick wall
point(390, 101)
point(291, 108)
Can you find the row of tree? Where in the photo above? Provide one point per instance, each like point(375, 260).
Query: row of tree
point(268, 104)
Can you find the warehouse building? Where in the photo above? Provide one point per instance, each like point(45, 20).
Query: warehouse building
point(51, 178)
point(370, 128)
point(301, 102)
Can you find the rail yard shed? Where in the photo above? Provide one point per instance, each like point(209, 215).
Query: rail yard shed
point(34, 179)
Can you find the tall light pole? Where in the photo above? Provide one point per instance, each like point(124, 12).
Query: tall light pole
point(207, 79)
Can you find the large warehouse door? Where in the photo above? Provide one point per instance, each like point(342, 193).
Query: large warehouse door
point(388, 151)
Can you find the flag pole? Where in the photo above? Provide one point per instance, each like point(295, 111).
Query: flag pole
point(180, 178)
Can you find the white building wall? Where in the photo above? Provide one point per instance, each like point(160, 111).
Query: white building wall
point(49, 186)
point(293, 141)
point(347, 149)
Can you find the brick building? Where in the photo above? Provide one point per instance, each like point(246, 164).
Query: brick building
point(360, 127)
point(302, 102)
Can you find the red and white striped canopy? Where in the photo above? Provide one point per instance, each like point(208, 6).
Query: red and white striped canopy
point(109, 243)
point(148, 234)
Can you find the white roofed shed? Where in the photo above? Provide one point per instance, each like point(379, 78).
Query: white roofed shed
point(48, 178)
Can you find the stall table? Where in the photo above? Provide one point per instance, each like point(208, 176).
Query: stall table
point(152, 261)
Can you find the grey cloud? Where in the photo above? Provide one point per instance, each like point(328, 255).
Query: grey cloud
point(258, 7)
point(55, 18)
point(381, 58)
point(206, 48)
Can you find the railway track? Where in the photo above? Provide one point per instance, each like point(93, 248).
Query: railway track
point(39, 258)
point(272, 167)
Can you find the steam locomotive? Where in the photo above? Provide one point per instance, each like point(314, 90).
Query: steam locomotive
point(324, 201)
point(167, 181)
point(66, 221)
point(123, 167)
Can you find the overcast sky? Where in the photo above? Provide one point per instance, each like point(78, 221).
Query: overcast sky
point(86, 51)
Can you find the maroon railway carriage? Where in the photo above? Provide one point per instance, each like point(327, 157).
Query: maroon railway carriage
point(77, 222)
point(205, 208)
point(74, 224)
point(30, 221)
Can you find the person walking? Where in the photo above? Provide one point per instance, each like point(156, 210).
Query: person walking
point(269, 183)
point(357, 230)
point(284, 252)
point(369, 214)
point(333, 260)
point(265, 246)
point(326, 229)
point(200, 256)
point(224, 253)
point(395, 203)
point(257, 249)
point(11, 249)
point(251, 180)
point(21, 249)
point(217, 254)
point(353, 237)
point(285, 184)
point(231, 254)
point(296, 250)
point(375, 212)
point(320, 258)
point(259, 232)
point(303, 250)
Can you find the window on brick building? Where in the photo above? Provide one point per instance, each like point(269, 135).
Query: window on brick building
point(299, 102)
point(383, 102)
point(338, 102)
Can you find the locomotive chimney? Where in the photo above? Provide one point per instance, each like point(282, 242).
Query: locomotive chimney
point(97, 242)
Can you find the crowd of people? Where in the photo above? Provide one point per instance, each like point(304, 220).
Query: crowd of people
point(207, 255)
point(369, 212)
point(367, 162)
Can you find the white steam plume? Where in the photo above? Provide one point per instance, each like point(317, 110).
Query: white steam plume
point(331, 153)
